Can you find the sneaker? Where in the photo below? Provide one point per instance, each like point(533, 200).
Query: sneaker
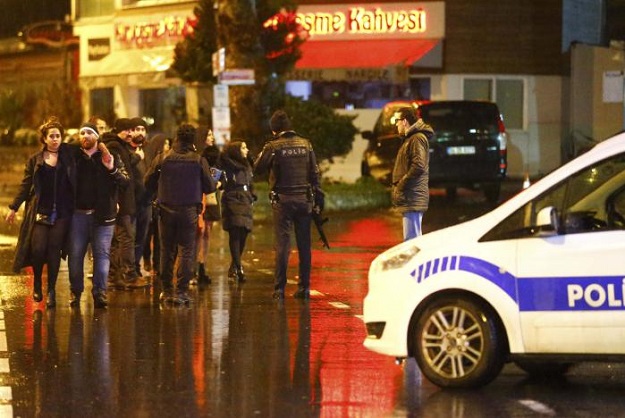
point(183, 296)
point(74, 299)
point(167, 296)
point(302, 294)
point(278, 294)
point(115, 283)
point(100, 300)
point(136, 282)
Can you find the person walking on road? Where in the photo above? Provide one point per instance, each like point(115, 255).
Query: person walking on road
point(143, 200)
point(212, 210)
point(410, 193)
point(237, 202)
point(98, 176)
point(294, 182)
point(179, 177)
point(46, 190)
point(123, 273)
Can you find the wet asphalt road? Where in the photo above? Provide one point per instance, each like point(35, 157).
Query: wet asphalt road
point(237, 353)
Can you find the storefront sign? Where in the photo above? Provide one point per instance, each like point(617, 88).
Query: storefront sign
point(391, 74)
point(55, 34)
point(98, 48)
point(161, 31)
point(380, 21)
point(237, 76)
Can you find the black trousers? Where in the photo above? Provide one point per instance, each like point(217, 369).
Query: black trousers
point(46, 245)
point(237, 235)
point(292, 213)
point(177, 226)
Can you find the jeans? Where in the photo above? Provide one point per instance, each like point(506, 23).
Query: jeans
point(412, 224)
point(292, 212)
point(123, 249)
point(177, 226)
point(83, 231)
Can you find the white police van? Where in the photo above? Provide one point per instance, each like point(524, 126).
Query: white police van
point(539, 281)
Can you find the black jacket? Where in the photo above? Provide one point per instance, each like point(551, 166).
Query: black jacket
point(122, 150)
point(291, 163)
point(30, 191)
point(238, 194)
point(107, 184)
point(179, 177)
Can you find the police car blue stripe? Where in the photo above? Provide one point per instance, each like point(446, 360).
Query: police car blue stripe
point(539, 293)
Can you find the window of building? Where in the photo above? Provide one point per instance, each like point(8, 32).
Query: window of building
point(372, 94)
point(94, 8)
point(143, 3)
point(166, 107)
point(508, 93)
point(102, 103)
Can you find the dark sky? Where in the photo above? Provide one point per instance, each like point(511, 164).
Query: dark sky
point(17, 13)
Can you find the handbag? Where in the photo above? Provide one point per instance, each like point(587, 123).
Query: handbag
point(44, 219)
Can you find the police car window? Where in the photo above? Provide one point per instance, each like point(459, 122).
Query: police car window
point(585, 202)
point(588, 195)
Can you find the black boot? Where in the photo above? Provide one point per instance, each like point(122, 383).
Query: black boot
point(37, 293)
point(240, 274)
point(202, 277)
point(232, 271)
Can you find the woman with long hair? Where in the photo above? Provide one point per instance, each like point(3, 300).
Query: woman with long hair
point(236, 202)
point(47, 191)
point(211, 212)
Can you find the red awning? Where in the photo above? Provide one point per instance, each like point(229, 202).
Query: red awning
point(363, 54)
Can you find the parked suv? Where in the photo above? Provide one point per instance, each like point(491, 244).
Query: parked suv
point(468, 148)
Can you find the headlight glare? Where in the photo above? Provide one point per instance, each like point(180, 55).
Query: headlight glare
point(397, 258)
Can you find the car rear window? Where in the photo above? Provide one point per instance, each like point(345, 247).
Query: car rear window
point(461, 117)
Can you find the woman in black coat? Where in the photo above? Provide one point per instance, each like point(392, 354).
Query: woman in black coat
point(47, 191)
point(236, 202)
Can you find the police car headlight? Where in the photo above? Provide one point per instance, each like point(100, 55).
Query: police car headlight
point(395, 258)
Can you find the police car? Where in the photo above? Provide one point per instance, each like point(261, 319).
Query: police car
point(539, 281)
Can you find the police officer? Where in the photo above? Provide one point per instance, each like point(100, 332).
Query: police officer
point(179, 177)
point(293, 179)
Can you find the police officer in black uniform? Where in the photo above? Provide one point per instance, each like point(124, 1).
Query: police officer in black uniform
point(179, 177)
point(294, 180)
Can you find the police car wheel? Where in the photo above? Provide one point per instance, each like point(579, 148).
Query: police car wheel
point(459, 343)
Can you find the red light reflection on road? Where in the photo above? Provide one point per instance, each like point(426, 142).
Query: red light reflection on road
point(347, 379)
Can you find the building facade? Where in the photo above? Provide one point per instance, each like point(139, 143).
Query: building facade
point(361, 54)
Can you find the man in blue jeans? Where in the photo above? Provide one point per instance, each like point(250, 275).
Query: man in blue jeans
point(97, 176)
point(410, 193)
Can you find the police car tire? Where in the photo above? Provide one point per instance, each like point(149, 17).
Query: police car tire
point(459, 343)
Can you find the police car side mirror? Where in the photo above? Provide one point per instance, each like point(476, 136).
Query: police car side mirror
point(547, 221)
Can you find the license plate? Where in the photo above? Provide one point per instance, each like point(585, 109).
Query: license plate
point(467, 150)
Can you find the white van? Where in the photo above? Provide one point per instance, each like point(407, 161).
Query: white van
point(539, 281)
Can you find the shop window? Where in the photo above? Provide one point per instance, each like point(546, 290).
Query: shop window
point(101, 103)
point(95, 8)
point(478, 89)
point(368, 94)
point(165, 107)
point(508, 93)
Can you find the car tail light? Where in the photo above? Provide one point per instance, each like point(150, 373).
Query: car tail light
point(503, 145)
point(503, 135)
